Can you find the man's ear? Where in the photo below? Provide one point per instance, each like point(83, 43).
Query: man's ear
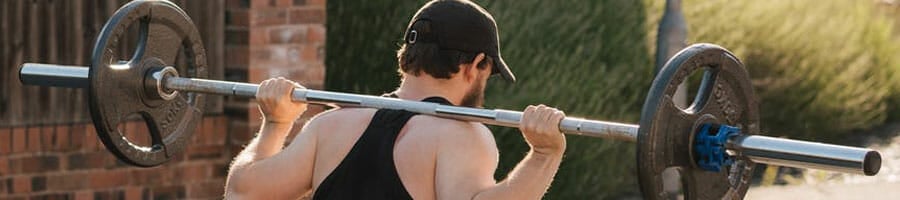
point(471, 70)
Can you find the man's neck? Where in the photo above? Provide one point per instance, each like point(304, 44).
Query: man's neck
point(418, 88)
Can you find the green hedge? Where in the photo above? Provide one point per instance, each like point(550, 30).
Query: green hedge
point(822, 69)
point(818, 67)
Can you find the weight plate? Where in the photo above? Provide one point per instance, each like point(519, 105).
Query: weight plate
point(665, 136)
point(165, 34)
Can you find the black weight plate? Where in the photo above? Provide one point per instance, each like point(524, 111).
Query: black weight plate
point(117, 91)
point(665, 136)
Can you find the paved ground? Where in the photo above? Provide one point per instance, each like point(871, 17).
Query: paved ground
point(826, 185)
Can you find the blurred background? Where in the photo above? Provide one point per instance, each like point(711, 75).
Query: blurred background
point(825, 71)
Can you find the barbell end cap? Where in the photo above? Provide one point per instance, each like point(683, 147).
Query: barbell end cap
point(872, 163)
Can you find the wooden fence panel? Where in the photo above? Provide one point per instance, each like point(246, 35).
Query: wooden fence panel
point(63, 32)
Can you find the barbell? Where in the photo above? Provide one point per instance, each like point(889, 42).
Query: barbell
point(713, 143)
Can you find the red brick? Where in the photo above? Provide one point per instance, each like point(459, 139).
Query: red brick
point(312, 53)
point(34, 164)
point(258, 36)
point(34, 139)
point(288, 35)
point(5, 141)
point(267, 17)
point(206, 134)
point(52, 196)
point(254, 116)
point(283, 3)
point(89, 160)
point(84, 195)
point(237, 4)
point(310, 76)
point(168, 192)
point(238, 36)
point(48, 134)
point(109, 194)
point(90, 140)
point(240, 132)
point(220, 130)
point(19, 141)
point(315, 2)
point(192, 173)
point(76, 135)
point(136, 132)
point(268, 57)
point(62, 141)
point(134, 193)
point(4, 168)
point(254, 4)
point(316, 34)
point(108, 179)
point(204, 152)
point(68, 181)
point(151, 176)
point(307, 16)
point(209, 189)
point(21, 184)
point(220, 169)
point(4, 185)
point(38, 183)
point(256, 75)
point(237, 18)
point(237, 57)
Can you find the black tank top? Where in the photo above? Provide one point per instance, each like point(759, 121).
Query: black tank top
point(368, 171)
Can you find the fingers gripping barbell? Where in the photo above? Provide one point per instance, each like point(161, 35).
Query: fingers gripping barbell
point(713, 143)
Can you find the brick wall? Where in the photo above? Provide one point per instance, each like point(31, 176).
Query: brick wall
point(263, 38)
point(272, 38)
point(70, 162)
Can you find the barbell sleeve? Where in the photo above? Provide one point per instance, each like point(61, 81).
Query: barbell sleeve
point(54, 75)
point(760, 149)
point(803, 154)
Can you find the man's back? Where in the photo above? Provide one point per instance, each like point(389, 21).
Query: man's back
point(416, 150)
point(451, 48)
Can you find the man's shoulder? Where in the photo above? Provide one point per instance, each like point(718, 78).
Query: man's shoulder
point(337, 116)
point(441, 124)
point(450, 130)
point(342, 113)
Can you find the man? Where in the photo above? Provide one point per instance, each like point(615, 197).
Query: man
point(451, 49)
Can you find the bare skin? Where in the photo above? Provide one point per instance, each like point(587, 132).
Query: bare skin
point(436, 158)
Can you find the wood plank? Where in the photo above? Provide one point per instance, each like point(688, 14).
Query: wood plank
point(54, 110)
point(17, 52)
point(78, 103)
point(64, 32)
point(5, 114)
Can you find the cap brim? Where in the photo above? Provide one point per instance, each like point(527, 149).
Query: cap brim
point(503, 69)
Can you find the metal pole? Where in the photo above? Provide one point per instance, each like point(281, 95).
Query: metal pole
point(763, 149)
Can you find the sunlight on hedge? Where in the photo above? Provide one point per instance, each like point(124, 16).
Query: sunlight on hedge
point(822, 69)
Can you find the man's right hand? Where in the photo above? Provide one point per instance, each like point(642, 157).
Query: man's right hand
point(540, 127)
point(274, 97)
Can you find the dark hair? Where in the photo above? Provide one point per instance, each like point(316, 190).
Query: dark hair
point(429, 57)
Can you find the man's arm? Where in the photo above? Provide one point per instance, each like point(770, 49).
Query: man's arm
point(467, 159)
point(263, 170)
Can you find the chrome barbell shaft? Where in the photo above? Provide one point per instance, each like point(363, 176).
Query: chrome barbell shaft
point(761, 149)
point(498, 117)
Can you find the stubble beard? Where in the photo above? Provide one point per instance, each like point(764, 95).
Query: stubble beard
point(475, 96)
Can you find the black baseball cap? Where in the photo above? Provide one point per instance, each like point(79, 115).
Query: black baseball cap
point(459, 25)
